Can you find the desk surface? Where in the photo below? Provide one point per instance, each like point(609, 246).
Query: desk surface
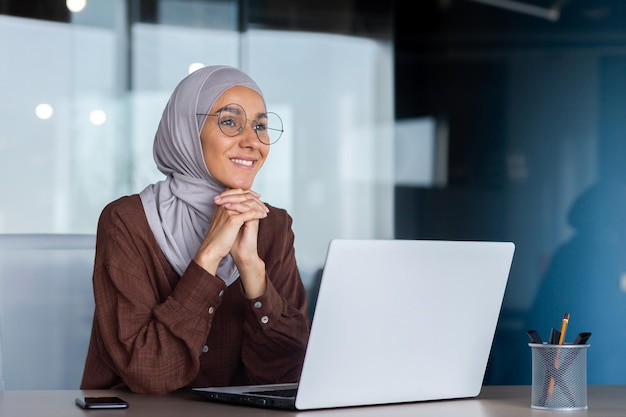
point(508, 401)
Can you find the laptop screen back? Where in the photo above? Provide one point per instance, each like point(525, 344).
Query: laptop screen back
point(403, 321)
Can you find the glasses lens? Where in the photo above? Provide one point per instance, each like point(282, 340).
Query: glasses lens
point(232, 119)
point(269, 128)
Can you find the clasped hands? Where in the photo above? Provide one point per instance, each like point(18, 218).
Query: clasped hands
point(234, 229)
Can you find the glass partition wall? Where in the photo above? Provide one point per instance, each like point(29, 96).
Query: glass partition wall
point(83, 90)
point(526, 100)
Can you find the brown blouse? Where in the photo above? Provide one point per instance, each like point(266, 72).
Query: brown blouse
point(155, 331)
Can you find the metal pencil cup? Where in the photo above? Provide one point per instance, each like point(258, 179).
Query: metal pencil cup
point(559, 376)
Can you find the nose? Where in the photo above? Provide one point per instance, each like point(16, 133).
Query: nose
point(248, 137)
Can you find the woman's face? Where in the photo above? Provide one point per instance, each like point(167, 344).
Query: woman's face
point(234, 160)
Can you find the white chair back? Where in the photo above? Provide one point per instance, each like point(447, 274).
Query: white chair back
point(1, 375)
point(46, 309)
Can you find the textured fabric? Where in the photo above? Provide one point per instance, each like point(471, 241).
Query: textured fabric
point(155, 331)
point(179, 209)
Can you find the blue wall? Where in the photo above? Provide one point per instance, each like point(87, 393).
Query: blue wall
point(536, 156)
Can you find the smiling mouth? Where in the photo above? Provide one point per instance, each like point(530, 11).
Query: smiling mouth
point(242, 162)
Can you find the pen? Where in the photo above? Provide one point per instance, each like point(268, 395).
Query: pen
point(555, 335)
point(582, 338)
point(534, 336)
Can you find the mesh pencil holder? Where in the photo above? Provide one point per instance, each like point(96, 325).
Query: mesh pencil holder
point(559, 376)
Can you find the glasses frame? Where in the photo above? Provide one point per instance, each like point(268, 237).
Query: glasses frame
point(253, 123)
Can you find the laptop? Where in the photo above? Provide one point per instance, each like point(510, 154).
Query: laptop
point(396, 321)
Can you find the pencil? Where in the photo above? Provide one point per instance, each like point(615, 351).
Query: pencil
point(564, 323)
point(563, 327)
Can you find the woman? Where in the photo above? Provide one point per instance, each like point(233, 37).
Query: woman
point(195, 278)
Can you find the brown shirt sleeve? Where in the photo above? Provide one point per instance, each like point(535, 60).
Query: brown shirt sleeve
point(155, 331)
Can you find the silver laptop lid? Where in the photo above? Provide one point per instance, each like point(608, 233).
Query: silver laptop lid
point(402, 321)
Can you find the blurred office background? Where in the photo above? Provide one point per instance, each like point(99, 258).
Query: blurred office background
point(435, 119)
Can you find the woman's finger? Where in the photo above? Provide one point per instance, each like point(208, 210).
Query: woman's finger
point(237, 193)
point(241, 201)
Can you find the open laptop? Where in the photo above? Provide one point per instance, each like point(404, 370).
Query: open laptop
point(396, 321)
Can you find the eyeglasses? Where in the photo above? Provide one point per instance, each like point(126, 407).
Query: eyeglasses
point(232, 119)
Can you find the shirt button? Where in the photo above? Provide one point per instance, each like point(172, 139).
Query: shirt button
point(265, 319)
point(221, 293)
point(258, 304)
point(205, 349)
point(211, 310)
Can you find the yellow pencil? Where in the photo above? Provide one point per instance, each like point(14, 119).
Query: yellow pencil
point(563, 327)
point(556, 358)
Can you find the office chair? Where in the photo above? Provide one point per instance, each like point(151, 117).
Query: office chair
point(46, 309)
point(1, 375)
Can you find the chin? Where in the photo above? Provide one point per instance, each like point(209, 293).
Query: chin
point(244, 185)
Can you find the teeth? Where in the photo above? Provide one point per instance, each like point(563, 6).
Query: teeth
point(242, 162)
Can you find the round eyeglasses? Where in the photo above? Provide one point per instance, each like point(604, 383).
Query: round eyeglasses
point(232, 119)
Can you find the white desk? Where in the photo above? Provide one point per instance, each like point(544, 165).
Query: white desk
point(505, 401)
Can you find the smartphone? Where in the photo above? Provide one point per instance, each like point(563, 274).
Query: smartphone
point(101, 402)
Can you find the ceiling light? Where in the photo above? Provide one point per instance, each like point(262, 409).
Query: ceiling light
point(97, 117)
point(552, 14)
point(44, 111)
point(195, 66)
point(76, 6)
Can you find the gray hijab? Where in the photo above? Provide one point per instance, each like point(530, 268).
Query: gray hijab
point(180, 207)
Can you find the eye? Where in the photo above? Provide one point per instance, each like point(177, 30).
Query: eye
point(228, 121)
point(231, 122)
point(260, 127)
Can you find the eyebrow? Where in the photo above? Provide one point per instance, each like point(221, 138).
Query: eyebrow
point(230, 109)
point(236, 110)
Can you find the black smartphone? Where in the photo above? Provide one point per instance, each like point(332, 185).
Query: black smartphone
point(101, 402)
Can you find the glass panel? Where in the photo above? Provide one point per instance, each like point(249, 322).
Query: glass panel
point(106, 78)
point(535, 110)
point(107, 82)
point(103, 75)
point(336, 156)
